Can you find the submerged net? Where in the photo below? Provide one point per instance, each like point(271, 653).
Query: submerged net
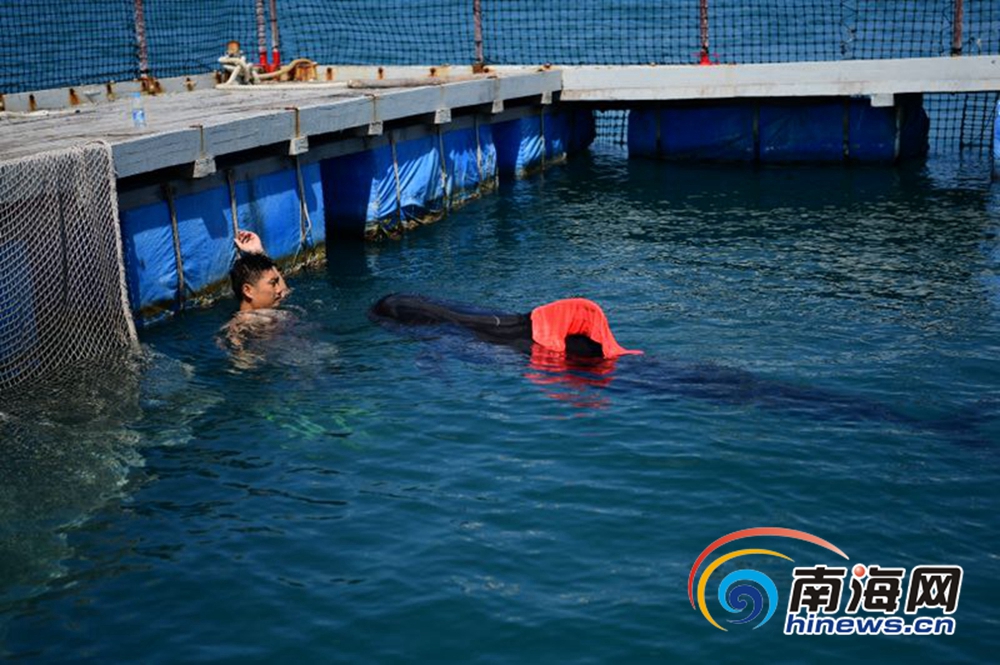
point(62, 286)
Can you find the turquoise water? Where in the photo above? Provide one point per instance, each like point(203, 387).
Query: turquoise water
point(360, 493)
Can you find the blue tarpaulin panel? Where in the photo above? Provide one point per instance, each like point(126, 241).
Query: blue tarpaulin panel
point(312, 185)
point(788, 131)
point(150, 263)
point(643, 139)
point(871, 132)
point(347, 183)
point(420, 186)
point(519, 143)
point(269, 206)
point(488, 155)
point(683, 133)
point(557, 135)
point(521, 147)
point(358, 189)
point(714, 133)
point(462, 163)
point(584, 129)
point(204, 226)
point(794, 132)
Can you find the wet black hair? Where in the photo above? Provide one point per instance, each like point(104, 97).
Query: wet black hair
point(247, 270)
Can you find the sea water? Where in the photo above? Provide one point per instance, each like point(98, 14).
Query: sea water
point(347, 491)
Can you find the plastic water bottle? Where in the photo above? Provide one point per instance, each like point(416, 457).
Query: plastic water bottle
point(138, 111)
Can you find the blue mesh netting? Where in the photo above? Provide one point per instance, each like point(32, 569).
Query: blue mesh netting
point(47, 44)
point(51, 44)
point(188, 36)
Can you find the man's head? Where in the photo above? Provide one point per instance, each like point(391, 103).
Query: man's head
point(257, 283)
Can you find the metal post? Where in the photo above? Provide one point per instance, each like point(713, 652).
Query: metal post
point(477, 17)
point(261, 35)
point(704, 59)
point(140, 39)
point(274, 35)
point(956, 35)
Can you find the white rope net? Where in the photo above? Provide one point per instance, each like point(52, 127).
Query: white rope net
point(63, 299)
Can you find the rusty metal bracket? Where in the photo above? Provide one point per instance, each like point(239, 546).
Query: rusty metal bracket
point(442, 116)
point(205, 164)
point(299, 144)
point(150, 85)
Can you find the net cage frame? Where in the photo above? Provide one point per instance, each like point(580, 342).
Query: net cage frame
point(63, 296)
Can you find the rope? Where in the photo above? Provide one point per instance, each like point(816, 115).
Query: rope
point(305, 221)
point(479, 150)
point(231, 179)
point(395, 173)
point(169, 196)
point(444, 171)
point(239, 70)
point(541, 123)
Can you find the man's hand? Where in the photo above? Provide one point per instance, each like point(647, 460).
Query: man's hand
point(249, 242)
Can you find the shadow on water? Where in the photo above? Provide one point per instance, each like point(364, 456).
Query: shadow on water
point(70, 447)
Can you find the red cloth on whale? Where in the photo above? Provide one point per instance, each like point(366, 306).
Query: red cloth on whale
point(551, 323)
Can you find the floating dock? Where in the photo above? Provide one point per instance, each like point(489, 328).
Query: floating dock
point(369, 151)
point(192, 122)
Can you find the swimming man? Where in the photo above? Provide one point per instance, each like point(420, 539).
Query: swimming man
point(260, 288)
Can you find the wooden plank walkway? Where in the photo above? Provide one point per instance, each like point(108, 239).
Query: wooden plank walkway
point(195, 127)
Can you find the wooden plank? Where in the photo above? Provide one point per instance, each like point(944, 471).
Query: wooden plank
point(156, 151)
point(348, 72)
point(468, 93)
point(326, 118)
point(396, 104)
point(802, 79)
point(517, 86)
point(247, 131)
point(183, 128)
